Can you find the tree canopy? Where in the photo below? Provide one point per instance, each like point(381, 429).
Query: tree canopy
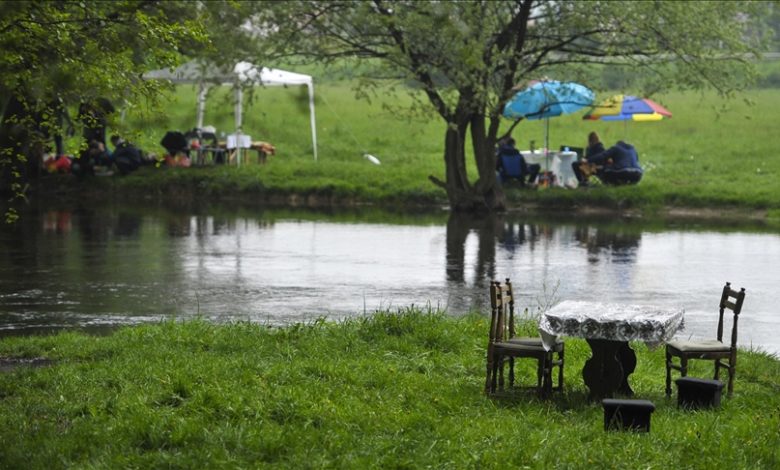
point(470, 57)
point(61, 53)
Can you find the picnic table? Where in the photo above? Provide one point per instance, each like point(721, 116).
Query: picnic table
point(608, 328)
point(261, 149)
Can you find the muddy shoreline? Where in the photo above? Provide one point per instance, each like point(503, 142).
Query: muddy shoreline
point(67, 191)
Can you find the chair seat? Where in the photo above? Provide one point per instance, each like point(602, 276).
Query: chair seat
point(519, 347)
point(536, 342)
point(707, 345)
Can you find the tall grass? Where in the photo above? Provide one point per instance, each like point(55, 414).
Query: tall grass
point(398, 390)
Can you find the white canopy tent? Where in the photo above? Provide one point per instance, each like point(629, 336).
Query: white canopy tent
point(243, 74)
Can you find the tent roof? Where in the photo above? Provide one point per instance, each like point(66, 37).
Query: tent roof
point(243, 72)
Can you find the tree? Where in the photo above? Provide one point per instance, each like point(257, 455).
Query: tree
point(55, 55)
point(469, 57)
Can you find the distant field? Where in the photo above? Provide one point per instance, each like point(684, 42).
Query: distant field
point(713, 151)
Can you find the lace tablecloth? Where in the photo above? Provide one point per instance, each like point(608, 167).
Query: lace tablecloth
point(616, 322)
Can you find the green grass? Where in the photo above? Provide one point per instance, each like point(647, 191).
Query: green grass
point(712, 153)
point(390, 391)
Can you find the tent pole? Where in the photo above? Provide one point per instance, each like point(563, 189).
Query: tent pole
point(547, 143)
point(237, 112)
point(313, 121)
point(201, 104)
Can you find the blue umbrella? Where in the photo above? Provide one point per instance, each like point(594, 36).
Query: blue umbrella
point(543, 99)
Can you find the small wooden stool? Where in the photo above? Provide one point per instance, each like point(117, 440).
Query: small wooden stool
point(696, 393)
point(627, 414)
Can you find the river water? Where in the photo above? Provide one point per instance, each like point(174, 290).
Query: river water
point(110, 265)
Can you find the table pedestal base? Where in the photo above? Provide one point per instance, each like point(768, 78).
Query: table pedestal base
point(607, 371)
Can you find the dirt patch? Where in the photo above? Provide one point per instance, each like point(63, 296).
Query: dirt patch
point(8, 364)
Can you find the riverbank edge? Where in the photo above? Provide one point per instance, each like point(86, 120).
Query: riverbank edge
point(56, 187)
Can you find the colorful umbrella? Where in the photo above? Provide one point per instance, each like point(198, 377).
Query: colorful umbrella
point(543, 99)
point(627, 108)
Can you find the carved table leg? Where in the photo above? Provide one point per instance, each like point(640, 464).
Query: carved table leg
point(627, 358)
point(603, 372)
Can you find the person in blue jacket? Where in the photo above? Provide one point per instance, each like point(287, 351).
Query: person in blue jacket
point(510, 163)
point(126, 156)
point(617, 165)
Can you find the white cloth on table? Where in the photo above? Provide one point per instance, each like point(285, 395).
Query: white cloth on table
point(562, 168)
point(616, 322)
point(559, 163)
point(535, 157)
point(239, 141)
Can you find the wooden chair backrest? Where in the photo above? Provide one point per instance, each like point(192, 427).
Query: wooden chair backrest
point(735, 306)
point(502, 311)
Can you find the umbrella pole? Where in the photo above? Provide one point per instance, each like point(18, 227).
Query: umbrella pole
point(547, 143)
point(546, 134)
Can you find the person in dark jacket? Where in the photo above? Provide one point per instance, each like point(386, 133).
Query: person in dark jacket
point(93, 115)
point(510, 163)
point(594, 147)
point(126, 156)
point(617, 165)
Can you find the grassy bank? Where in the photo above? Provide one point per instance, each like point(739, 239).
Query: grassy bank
point(712, 153)
point(390, 391)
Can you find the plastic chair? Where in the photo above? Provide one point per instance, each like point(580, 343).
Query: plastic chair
point(724, 354)
point(505, 347)
point(512, 167)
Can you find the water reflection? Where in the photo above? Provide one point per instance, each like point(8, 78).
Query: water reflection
point(531, 246)
point(619, 246)
point(99, 265)
point(459, 227)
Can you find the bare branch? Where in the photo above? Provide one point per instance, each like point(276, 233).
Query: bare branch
point(416, 62)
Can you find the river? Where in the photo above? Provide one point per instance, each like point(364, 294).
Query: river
point(98, 267)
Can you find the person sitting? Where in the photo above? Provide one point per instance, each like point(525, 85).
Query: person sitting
point(511, 164)
point(126, 156)
point(594, 147)
point(617, 165)
point(94, 159)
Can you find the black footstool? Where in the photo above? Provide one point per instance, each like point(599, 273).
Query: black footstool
point(626, 415)
point(693, 393)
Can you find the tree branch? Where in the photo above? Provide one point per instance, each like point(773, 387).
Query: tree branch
point(416, 63)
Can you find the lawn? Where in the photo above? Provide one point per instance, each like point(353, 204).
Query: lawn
point(712, 153)
point(393, 390)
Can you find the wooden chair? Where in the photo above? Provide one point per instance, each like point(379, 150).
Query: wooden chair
point(724, 354)
point(504, 346)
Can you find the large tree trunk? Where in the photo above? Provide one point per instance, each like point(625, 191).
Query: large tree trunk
point(483, 196)
point(483, 144)
point(460, 193)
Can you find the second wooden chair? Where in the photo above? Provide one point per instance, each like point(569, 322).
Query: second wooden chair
point(504, 346)
point(724, 354)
